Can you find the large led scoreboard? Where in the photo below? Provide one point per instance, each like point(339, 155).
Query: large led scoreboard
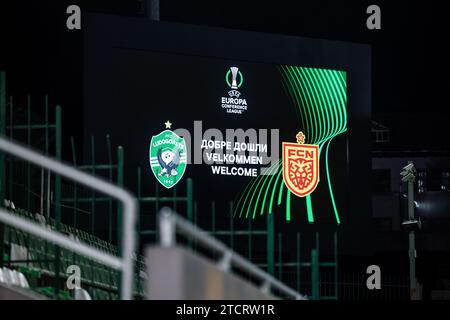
point(278, 125)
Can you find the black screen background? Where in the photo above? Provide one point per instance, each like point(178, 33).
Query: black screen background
point(104, 35)
point(149, 88)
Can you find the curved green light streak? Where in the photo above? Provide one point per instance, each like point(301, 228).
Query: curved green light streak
point(294, 93)
point(339, 111)
point(290, 93)
point(314, 134)
point(340, 100)
point(298, 92)
point(242, 195)
point(273, 191)
point(325, 93)
point(239, 201)
point(255, 182)
point(320, 99)
point(280, 192)
point(309, 209)
point(267, 190)
point(288, 205)
point(312, 106)
point(300, 82)
point(342, 121)
point(326, 99)
point(313, 110)
point(317, 103)
point(253, 195)
point(252, 186)
point(342, 93)
point(336, 214)
point(331, 103)
point(291, 73)
point(272, 168)
point(336, 103)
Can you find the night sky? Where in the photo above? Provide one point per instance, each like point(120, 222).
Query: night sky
point(410, 57)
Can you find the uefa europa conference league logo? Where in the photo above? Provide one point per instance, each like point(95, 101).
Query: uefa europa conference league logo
point(168, 157)
point(235, 102)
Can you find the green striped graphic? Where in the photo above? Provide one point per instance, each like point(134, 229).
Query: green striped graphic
point(320, 99)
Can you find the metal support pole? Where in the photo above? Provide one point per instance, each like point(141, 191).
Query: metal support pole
point(156, 197)
point(270, 244)
point(138, 219)
point(153, 10)
point(230, 213)
point(120, 163)
point(167, 228)
point(408, 175)
point(41, 209)
point(190, 199)
point(2, 156)
point(412, 241)
point(110, 203)
point(29, 144)
point(299, 262)
point(58, 197)
point(49, 176)
point(174, 196)
point(11, 137)
point(336, 274)
point(314, 275)
point(213, 218)
point(46, 153)
point(249, 239)
point(46, 125)
point(190, 203)
point(92, 191)
point(280, 257)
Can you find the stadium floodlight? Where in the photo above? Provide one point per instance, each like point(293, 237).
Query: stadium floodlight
point(408, 167)
point(412, 225)
point(408, 173)
point(408, 177)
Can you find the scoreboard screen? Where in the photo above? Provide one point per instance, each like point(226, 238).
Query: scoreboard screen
point(234, 117)
point(265, 126)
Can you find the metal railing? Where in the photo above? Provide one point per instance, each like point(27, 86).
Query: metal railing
point(125, 264)
point(170, 223)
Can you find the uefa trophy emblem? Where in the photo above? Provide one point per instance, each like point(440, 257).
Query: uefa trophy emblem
point(235, 102)
point(234, 72)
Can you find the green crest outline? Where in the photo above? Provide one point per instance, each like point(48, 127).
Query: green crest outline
point(168, 157)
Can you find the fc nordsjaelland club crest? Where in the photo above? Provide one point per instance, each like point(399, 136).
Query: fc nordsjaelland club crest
point(300, 166)
point(168, 157)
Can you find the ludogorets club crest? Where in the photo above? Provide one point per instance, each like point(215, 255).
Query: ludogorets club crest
point(168, 157)
point(300, 166)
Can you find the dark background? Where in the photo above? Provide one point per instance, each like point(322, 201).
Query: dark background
point(409, 54)
point(149, 88)
point(104, 34)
